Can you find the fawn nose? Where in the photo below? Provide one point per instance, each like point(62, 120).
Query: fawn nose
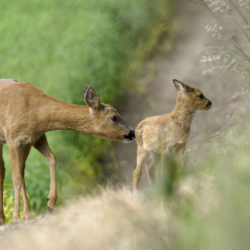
point(209, 104)
point(131, 134)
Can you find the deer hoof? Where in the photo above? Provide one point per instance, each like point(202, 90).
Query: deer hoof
point(16, 220)
point(50, 209)
point(28, 216)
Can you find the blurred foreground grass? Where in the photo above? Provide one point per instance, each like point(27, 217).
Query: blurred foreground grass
point(62, 46)
point(207, 208)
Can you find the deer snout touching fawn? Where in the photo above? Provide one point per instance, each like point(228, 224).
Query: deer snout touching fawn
point(26, 113)
point(158, 136)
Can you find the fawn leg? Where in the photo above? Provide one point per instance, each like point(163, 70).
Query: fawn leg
point(164, 160)
point(181, 154)
point(151, 166)
point(43, 147)
point(2, 175)
point(141, 156)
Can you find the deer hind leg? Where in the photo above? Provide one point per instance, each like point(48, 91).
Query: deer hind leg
point(43, 147)
point(2, 175)
point(141, 156)
point(18, 156)
point(151, 166)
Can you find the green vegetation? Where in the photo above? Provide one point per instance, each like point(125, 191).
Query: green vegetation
point(209, 205)
point(8, 196)
point(62, 46)
point(203, 206)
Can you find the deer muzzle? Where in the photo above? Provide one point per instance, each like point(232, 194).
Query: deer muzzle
point(130, 136)
point(209, 105)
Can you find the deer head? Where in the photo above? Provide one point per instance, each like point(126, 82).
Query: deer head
point(192, 97)
point(107, 123)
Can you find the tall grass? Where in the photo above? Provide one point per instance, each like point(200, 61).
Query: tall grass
point(8, 197)
point(62, 46)
point(231, 29)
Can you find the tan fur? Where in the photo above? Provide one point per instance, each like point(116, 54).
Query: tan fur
point(26, 113)
point(158, 136)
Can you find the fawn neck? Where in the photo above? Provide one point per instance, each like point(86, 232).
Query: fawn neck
point(183, 112)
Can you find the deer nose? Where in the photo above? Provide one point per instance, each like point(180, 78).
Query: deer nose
point(209, 104)
point(131, 134)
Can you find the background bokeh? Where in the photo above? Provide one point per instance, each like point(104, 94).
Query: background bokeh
point(62, 46)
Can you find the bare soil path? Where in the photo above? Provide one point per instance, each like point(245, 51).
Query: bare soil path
point(182, 63)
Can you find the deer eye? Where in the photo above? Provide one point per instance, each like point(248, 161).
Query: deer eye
point(114, 118)
point(200, 96)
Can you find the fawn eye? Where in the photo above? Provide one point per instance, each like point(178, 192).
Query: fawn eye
point(201, 96)
point(114, 118)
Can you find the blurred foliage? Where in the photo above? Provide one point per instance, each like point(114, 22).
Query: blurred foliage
point(231, 31)
point(62, 46)
point(216, 214)
point(8, 205)
point(208, 204)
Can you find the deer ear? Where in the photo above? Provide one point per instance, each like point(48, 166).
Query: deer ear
point(181, 87)
point(91, 98)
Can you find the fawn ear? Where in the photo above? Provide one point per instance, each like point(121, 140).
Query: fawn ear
point(91, 98)
point(181, 87)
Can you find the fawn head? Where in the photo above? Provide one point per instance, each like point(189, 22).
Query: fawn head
point(107, 123)
point(192, 97)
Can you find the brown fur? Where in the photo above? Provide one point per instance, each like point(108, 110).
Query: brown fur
point(157, 136)
point(26, 113)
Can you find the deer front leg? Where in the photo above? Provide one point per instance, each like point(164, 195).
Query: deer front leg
point(2, 175)
point(16, 165)
point(141, 156)
point(43, 147)
point(26, 208)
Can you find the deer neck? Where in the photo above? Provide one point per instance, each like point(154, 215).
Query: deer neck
point(183, 112)
point(63, 116)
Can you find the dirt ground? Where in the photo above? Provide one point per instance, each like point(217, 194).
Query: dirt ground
point(182, 63)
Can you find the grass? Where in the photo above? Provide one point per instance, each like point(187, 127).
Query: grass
point(208, 208)
point(231, 32)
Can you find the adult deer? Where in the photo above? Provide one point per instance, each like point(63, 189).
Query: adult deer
point(26, 113)
point(159, 136)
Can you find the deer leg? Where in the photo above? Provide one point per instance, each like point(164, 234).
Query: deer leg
point(26, 208)
point(164, 160)
point(181, 153)
point(151, 165)
point(17, 158)
point(43, 147)
point(141, 156)
point(2, 175)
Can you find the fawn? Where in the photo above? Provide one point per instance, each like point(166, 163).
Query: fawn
point(26, 113)
point(158, 136)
